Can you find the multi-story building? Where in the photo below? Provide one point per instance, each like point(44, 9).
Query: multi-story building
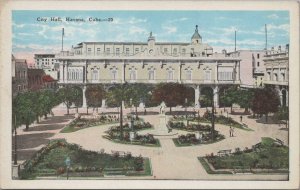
point(252, 68)
point(48, 63)
point(19, 76)
point(277, 71)
point(151, 62)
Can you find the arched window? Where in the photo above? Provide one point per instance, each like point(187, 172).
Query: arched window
point(132, 74)
point(170, 74)
point(95, 75)
point(151, 75)
point(189, 74)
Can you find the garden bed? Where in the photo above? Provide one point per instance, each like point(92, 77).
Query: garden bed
point(82, 123)
point(219, 119)
point(50, 161)
point(269, 156)
point(191, 140)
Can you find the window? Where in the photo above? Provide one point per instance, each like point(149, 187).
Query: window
point(117, 51)
point(258, 56)
point(175, 51)
point(95, 75)
point(275, 77)
point(170, 74)
point(136, 50)
point(188, 75)
point(107, 50)
point(98, 51)
point(132, 74)
point(269, 75)
point(183, 51)
point(151, 75)
point(165, 50)
point(127, 51)
point(207, 75)
point(24, 74)
point(225, 75)
point(283, 76)
point(89, 50)
point(257, 63)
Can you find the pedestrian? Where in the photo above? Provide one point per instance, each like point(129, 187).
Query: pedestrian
point(241, 117)
point(230, 131)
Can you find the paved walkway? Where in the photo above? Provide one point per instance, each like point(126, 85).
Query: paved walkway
point(168, 161)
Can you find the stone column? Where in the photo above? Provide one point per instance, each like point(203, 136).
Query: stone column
point(61, 72)
point(280, 97)
point(103, 105)
point(287, 97)
point(83, 97)
point(216, 96)
point(197, 95)
point(65, 72)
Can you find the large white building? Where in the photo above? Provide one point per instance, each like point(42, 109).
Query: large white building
point(192, 63)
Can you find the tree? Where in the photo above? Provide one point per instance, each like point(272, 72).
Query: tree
point(265, 101)
point(69, 95)
point(172, 94)
point(137, 93)
point(46, 99)
point(94, 95)
point(229, 97)
point(244, 98)
point(23, 108)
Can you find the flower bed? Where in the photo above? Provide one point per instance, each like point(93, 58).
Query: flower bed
point(219, 119)
point(50, 161)
point(190, 139)
point(114, 134)
point(265, 157)
point(82, 123)
point(190, 127)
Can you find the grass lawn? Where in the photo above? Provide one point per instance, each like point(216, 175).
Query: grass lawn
point(50, 161)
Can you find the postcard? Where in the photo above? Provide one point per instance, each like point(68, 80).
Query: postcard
point(150, 94)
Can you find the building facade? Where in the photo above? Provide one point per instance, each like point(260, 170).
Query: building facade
point(277, 72)
point(19, 76)
point(193, 64)
point(252, 67)
point(48, 63)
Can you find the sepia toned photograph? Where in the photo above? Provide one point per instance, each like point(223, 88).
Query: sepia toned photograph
point(151, 95)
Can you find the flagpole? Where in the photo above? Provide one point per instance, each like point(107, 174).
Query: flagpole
point(62, 39)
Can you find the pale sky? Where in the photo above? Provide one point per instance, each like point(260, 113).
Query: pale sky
point(217, 28)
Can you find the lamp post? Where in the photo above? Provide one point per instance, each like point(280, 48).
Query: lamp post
point(68, 163)
point(185, 103)
point(15, 151)
point(121, 109)
point(213, 119)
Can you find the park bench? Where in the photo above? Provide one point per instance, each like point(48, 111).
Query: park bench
point(224, 152)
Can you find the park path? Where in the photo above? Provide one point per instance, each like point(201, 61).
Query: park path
point(169, 161)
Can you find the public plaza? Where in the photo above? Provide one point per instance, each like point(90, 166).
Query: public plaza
point(167, 161)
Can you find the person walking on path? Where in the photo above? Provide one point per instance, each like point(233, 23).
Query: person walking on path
point(241, 117)
point(231, 130)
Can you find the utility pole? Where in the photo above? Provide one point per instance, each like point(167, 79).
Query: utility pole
point(62, 39)
point(266, 35)
point(235, 41)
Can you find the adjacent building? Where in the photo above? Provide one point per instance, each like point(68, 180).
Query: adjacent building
point(19, 75)
point(252, 67)
point(192, 63)
point(48, 63)
point(277, 71)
